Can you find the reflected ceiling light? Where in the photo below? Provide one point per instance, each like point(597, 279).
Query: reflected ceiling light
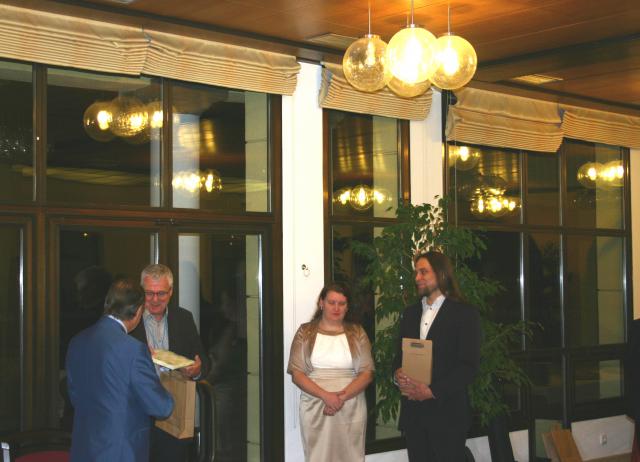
point(489, 205)
point(588, 174)
point(129, 116)
point(455, 61)
point(408, 90)
point(195, 181)
point(463, 158)
point(611, 175)
point(410, 53)
point(97, 120)
point(361, 197)
point(342, 196)
point(365, 62)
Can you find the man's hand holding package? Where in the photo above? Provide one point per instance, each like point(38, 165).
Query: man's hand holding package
point(412, 389)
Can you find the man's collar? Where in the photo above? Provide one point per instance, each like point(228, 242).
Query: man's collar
point(437, 303)
point(119, 321)
point(148, 316)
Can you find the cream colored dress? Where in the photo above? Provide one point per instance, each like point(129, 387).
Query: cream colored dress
point(331, 364)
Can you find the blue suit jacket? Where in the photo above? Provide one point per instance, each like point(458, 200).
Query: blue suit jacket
point(114, 389)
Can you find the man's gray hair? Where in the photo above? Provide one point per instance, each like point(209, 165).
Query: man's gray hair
point(157, 271)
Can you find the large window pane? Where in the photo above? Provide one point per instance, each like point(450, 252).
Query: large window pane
point(595, 298)
point(16, 132)
point(544, 290)
point(90, 259)
point(219, 281)
point(501, 262)
point(546, 398)
point(597, 379)
point(486, 183)
point(112, 157)
point(220, 149)
point(10, 326)
point(543, 191)
point(594, 185)
point(349, 269)
point(365, 161)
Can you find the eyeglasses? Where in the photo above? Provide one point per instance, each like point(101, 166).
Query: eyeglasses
point(151, 294)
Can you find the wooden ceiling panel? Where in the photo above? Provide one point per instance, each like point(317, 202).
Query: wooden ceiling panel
point(584, 41)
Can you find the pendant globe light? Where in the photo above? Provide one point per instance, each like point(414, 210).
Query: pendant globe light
point(410, 53)
point(365, 62)
point(408, 90)
point(455, 61)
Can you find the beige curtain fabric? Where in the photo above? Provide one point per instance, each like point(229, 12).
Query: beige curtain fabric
point(337, 93)
point(30, 35)
point(41, 37)
point(601, 127)
point(495, 119)
point(212, 63)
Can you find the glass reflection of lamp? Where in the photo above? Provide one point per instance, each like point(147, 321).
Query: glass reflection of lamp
point(365, 62)
point(410, 53)
point(342, 196)
point(490, 205)
point(380, 196)
point(588, 174)
point(192, 182)
point(97, 120)
point(361, 197)
point(463, 158)
point(611, 175)
point(129, 116)
point(455, 61)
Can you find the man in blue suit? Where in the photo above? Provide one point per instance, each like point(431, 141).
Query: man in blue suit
point(113, 384)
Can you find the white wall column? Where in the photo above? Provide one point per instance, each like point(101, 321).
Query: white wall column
point(427, 154)
point(302, 227)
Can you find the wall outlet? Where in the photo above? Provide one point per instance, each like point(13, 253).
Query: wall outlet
point(603, 439)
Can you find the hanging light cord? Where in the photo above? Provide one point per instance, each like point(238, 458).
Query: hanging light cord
point(369, 16)
point(412, 22)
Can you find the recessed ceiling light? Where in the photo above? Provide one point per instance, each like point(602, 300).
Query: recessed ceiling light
point(536, 79)
point(341, 42)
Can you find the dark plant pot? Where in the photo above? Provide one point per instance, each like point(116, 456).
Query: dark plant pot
point(499, 442)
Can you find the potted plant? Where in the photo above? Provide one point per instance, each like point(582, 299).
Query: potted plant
point(390, 275)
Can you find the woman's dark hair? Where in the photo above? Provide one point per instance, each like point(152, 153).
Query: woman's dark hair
point(340, 289)
point(441, 265)
point(124, 298)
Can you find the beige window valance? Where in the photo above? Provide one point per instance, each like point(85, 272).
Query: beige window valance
point(42, 37)
point(495, 119)
point(48, 38)
point(600, 127)
point(337, 93)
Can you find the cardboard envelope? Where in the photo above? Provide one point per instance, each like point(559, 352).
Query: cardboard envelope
point(417, 359)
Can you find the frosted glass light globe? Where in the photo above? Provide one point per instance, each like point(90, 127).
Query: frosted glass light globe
point(454, 62)
point(97, 120)
point(129, 116)
point(588, 174)
point(410, 54)
point(365, 64)
point(408, 90)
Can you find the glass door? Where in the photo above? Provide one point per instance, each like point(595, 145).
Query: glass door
point(219, 279)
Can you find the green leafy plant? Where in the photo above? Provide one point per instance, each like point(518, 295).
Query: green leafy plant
point(390, 274)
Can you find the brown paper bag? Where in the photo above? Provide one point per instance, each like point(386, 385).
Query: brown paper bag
point(181, 421)
point(417, 359)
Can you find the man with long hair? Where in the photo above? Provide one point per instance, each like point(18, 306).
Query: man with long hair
point(435, 418)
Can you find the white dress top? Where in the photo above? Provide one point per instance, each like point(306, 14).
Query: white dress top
point(331, 352)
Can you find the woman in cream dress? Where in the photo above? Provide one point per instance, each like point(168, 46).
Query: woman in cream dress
point(331, 362)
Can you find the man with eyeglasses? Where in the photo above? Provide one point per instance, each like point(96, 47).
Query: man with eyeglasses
point(169, 328)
